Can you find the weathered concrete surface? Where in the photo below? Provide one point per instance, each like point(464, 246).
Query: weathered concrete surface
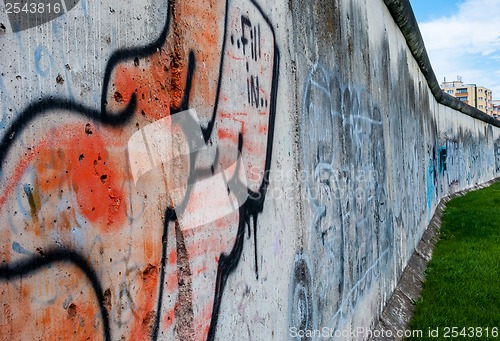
point(122, 212)
point(378, 152)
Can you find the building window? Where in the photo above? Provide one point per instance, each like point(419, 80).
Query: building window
point(461, 91)
point(463, 99)
point(450, 91)
point(480, 107)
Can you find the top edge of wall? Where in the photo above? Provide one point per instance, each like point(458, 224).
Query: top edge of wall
point(403, 15)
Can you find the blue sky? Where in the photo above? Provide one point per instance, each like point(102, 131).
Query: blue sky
point(427, 10)
point(462, 38)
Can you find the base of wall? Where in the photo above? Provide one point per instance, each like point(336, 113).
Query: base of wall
point(399, 310)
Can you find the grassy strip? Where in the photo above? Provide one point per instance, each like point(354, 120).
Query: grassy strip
point(462, 287)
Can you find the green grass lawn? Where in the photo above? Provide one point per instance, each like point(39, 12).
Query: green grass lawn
point(462, 286)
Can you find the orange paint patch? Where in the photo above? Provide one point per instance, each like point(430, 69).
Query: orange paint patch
point(262, 129)
point(148, 82)
point(146, 302)
point(71, 156)
point(225, 134)
point(172, 282)
point(159, 81)
point(78, 322)
point(51, 167)
point(168, 320)
point(198, 24)
point(29, 319)
point(96, 184)
point(221, 223)
point(151, 249)
point(172, 257)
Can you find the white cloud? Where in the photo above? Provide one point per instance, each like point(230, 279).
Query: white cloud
point(466, 44)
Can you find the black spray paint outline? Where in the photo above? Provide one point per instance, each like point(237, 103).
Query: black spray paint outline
point(250, 209)
point(61, 255)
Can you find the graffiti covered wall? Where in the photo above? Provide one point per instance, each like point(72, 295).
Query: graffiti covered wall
point(134, 166)
point(378, 153)
point(220, 169)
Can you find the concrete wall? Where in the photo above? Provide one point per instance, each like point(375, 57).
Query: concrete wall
point(378, 153)
point(221, 170)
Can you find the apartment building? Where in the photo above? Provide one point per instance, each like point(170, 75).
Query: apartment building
point(475, 95)
point(496, 108)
